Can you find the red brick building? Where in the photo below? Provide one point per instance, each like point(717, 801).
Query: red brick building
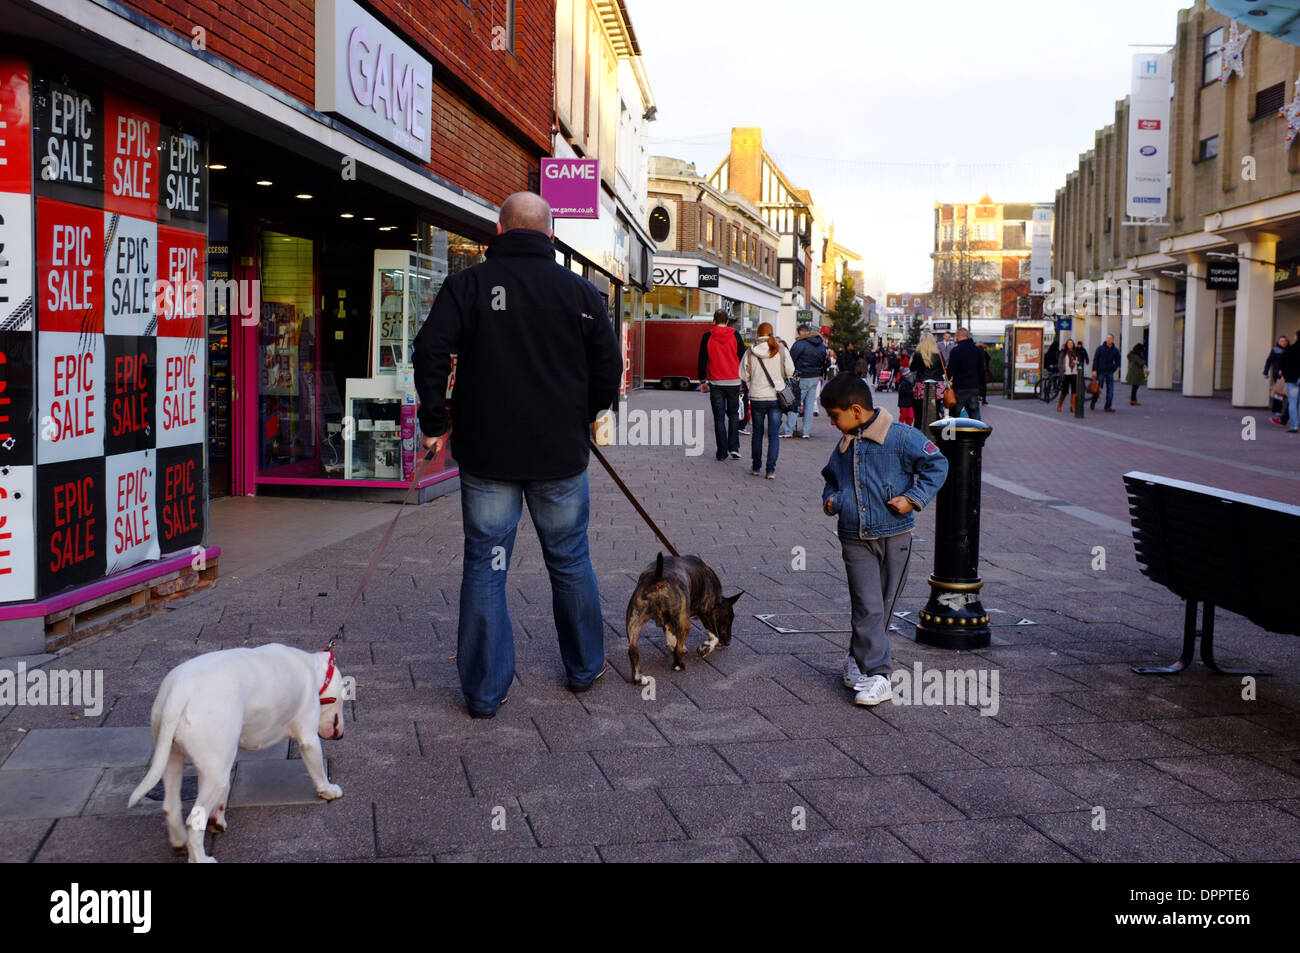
point(242, 212)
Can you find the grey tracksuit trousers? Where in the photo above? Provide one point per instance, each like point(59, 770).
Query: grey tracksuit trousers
point(877, 570)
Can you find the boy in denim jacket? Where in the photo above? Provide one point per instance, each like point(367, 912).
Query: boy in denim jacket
point(879, 475)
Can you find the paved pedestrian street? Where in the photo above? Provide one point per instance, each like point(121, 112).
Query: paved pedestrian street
point(757, 753)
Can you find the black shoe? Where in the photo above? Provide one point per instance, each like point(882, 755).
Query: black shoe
point(475, 713)
point(579, 689)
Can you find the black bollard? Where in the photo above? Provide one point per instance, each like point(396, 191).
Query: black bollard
point(928, 412)
point(954, 618)
point(1079, 385)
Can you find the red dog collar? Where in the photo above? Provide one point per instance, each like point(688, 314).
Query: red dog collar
point(329, 677)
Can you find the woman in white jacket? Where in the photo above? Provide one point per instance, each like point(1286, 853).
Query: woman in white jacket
point(771, 355)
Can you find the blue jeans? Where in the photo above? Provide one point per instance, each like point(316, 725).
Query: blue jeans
point(766, 416)
point(725, 400)
point(808, 398)
point(1107, 379)
point(485, 654)
point(1293, 405)
point(970, 399)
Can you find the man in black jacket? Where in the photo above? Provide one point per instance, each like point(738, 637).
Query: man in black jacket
point(966, 370)
point(1290, 365)
point(537, 363)
point(808, 355)
point(1104, 365)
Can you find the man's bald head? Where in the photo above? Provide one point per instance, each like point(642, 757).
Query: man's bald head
point(963, 334)
point(525, 210)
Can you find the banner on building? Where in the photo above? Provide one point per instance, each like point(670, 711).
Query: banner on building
point(119, 404)
point(1040, 256)
point(1148, 136)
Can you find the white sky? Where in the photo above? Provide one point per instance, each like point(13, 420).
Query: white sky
point(864, 102)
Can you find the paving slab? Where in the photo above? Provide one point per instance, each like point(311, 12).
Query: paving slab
point(1131, 835)
point(1248, 831)
point(1231, 777)
point(874, 846)
point(1121, 741)
point(906, 752)
point(1012, 747)
point(523, 855)
point(1121, 784)
point(808, 759)
point(748, 809)
point(613, 817)
point(264, 783)
point(45, 792)
point(639, 769)
point(112, 839)
point(428, 825)
point(719, 850)
point(714, 726)
point(986, 841)
point(78, 748)
point(852, 803)
point(513, 774)
point(1001, 792)
point(19, 839)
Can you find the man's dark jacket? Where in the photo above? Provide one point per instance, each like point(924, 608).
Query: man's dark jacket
point(1106, 360)
point(809, 355)
point(537, 361)
point(1290, 364)
point(966, 365)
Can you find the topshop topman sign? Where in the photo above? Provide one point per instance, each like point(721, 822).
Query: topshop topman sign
point(369, 76)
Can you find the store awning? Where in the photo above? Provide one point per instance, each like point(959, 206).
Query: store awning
point(1279, 19)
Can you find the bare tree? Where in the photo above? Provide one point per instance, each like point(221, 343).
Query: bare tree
point(956, 274)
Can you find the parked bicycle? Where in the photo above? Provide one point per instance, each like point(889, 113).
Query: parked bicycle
point(1048, 387)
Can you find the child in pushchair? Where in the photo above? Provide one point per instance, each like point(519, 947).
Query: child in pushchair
point(885, 382)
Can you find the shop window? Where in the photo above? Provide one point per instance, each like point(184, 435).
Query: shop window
point(287, 357)
point(1269, 101)
point(1211, 59)
point(1209, 149)
point(708, 231)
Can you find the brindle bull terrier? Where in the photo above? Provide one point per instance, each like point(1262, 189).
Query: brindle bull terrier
point(670, 593)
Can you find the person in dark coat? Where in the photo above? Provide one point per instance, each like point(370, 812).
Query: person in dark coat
point(1105, 364)
point(966, 371)
point(537, 365)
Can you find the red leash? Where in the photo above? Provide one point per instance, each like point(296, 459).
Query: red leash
point(374, 560)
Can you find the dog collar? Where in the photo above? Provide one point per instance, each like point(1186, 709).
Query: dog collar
point(329, 677)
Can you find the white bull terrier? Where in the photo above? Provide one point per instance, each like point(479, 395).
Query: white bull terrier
point(238, 698)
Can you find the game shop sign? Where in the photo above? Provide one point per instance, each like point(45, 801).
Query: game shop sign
point(105, 467)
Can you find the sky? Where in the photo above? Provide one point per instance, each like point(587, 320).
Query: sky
point(882, 108)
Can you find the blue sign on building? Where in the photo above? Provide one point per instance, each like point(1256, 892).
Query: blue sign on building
point(1065, 324)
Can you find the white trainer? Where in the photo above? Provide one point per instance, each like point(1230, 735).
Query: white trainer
point(854, 680)
point(877, 691)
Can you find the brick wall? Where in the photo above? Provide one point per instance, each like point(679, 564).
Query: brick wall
point(492, 110)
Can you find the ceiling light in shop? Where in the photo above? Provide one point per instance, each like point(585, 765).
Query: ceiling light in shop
point(346, 215)
point(217, 167)
point(264, 182)
point(387, 228)
point(368, 218)
point(303, 195)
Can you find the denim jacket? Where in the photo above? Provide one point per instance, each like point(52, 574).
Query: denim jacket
point(882, 460)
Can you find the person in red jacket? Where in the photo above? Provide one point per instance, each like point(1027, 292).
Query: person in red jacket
point(719, 371)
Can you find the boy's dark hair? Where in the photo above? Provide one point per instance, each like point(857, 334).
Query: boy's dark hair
point(844, 391)
point(721, 316)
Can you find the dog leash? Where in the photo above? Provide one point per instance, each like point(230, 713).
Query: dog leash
point(633, 500)
point(374, 560)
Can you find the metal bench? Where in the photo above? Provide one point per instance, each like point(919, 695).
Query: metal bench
point(1225, 550)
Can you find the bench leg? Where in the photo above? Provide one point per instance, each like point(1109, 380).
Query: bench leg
point(1189, 648)
point(1207, 649)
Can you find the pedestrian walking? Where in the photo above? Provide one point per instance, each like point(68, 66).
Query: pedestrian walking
point(870, 355)
point(1136, 374)
point(764, 371)
point(1069, 367)
point(878, 477)
point(946, 346)
point(1291, 374)
point(808, 354)
point(1082, 354)
point(1105, 365)
point(719, 370)
point(966, 373)
point(1277, 386)
point(537, 362)
point(927, 365)
point(907, 398)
